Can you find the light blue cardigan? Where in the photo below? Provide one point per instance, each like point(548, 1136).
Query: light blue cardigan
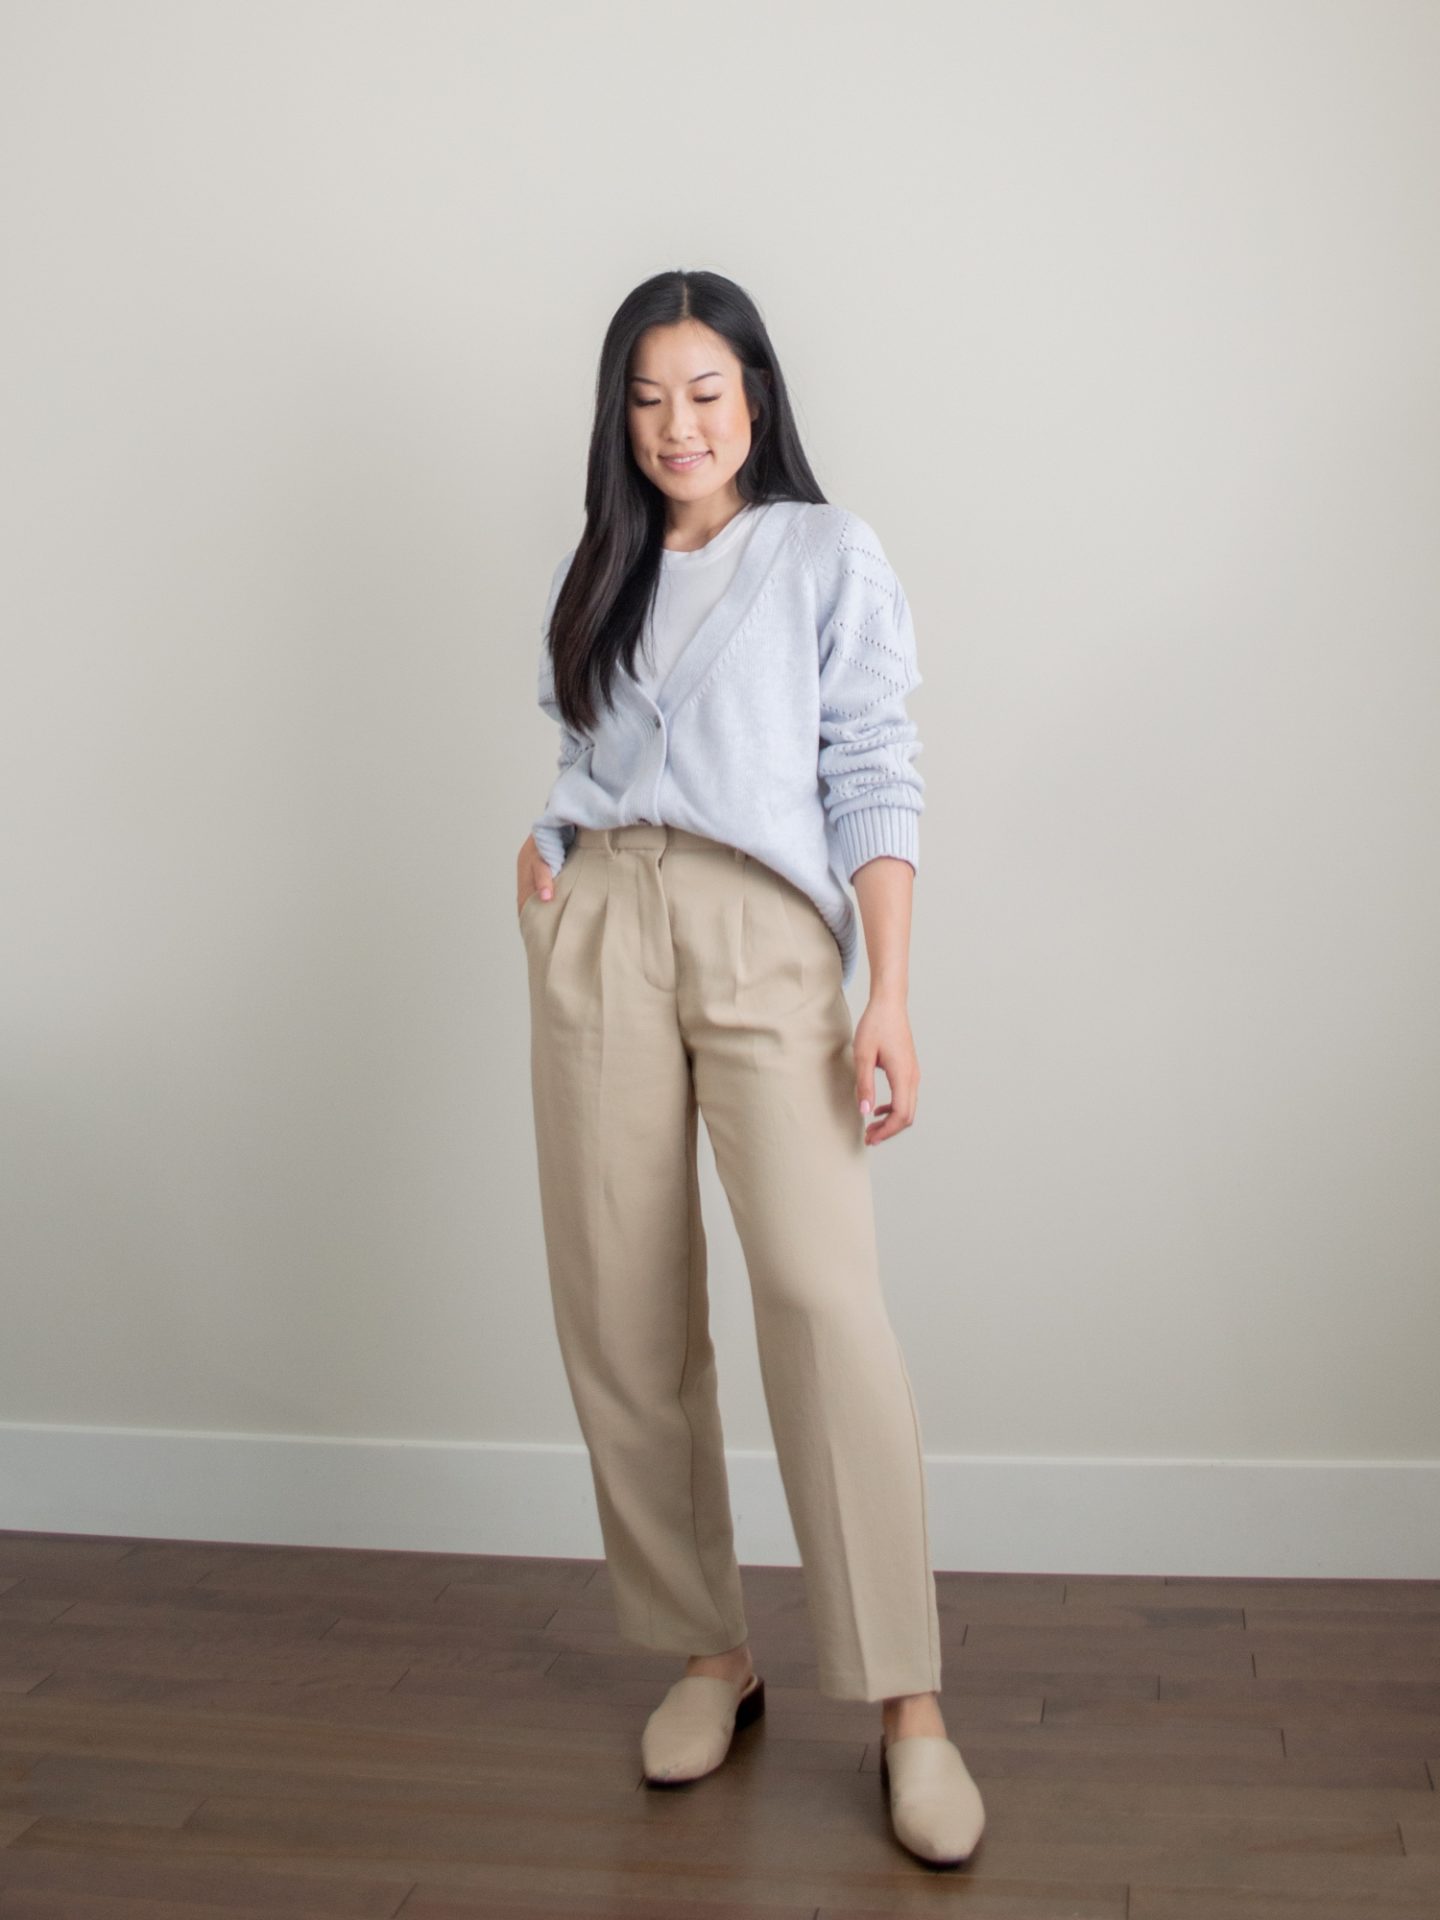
point(781, 729)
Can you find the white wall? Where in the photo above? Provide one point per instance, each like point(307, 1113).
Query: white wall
point(1118, 322)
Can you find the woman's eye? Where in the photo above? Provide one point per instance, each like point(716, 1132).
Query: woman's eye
point(705, 399)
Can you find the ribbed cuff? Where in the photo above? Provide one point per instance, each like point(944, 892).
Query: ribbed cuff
point(868, 832)
point(553, 844)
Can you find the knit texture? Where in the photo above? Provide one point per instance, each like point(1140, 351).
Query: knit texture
point(781, 729)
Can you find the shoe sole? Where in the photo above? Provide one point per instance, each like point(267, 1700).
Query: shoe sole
point(751, 1706)
point(959, 1860)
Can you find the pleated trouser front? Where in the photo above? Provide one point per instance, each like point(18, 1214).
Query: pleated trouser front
point(671, 976)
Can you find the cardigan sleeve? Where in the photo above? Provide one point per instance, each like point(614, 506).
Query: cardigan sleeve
point(872, 794)
point(552, 836)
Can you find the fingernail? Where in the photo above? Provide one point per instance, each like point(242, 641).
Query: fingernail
point(864, 1106)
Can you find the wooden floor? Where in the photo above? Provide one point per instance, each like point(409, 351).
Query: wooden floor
point(234, 1732)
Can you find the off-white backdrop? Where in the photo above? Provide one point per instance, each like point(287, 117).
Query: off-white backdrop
point(1118, 322)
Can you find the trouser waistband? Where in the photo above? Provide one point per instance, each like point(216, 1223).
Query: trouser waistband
point(646, 835)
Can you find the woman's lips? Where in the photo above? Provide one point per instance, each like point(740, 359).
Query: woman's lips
point(682, 463)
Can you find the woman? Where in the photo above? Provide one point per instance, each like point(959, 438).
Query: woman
point(727, 656)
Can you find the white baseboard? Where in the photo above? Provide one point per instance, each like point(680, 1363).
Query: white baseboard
point(1277, 1519)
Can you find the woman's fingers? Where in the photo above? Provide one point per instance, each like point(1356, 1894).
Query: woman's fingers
point(898, 1112)
point(538, 880)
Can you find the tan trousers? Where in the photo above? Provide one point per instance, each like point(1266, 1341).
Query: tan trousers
point(672, 975)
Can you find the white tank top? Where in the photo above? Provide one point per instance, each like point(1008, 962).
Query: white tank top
point(689, 587)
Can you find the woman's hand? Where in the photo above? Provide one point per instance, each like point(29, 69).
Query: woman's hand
point(882, 1037)
point(532, 875)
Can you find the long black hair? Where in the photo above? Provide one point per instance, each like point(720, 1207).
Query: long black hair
point(600, 616)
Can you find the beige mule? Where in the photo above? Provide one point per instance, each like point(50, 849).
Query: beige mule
point(935, 1807)
point(689, 1733)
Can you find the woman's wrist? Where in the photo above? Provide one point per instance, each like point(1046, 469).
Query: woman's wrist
point(889, 989)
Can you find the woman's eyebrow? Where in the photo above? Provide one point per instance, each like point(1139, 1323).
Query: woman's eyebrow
point(714, 374)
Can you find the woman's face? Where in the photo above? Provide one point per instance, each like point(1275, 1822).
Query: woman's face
point(689, 421)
